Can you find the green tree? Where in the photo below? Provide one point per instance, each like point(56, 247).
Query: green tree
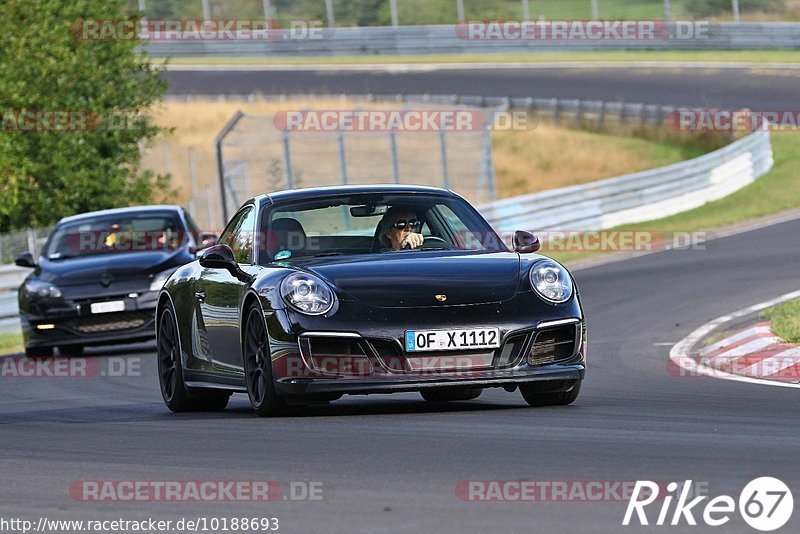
point(46, 65)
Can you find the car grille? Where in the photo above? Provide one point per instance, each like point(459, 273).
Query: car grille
point(511, 351)
point(553, 345)
point(335, 356)
point(389, 354)
point(111, 322)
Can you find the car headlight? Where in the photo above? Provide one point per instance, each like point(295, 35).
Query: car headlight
point(307, 294)
point(40, 289)
point(158, 280)
point(551, 281)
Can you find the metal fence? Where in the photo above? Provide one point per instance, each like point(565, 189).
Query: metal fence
point(256, 157)
point(195, 171)
point(638, 197)
point(254, 154)
point(450, 39)
point(30, 240)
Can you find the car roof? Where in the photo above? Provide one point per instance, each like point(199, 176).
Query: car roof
point(121, 211)
point(330, 191)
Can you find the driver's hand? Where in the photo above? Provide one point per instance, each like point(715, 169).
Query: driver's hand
point(412, 240)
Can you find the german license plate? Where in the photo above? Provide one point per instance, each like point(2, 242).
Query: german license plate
point(107, 307)
point(476, 338)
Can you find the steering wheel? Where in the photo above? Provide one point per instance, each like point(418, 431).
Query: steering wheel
point(435, 242)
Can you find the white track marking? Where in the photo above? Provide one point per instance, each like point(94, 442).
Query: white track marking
point(747, 348)
point(744, 334)
point(776, 363)
point(680, 352)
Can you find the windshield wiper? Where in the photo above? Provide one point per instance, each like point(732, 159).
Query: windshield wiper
point(323, 254)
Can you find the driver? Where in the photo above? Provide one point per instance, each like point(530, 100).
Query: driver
point(399, 229)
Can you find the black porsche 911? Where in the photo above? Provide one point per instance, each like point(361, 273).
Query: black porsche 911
point(312, 294)
point(99, 274)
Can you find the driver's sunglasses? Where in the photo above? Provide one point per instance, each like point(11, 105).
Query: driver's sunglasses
point(402, 225)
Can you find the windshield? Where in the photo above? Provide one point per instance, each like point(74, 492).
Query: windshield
point(368, 224)
point(119, 233)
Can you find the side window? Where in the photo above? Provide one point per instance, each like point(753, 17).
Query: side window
point(239, 235)
point(452, 220)
point(426, 230)
point(465, 238)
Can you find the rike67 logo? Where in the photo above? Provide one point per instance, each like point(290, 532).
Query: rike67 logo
point(765, 504)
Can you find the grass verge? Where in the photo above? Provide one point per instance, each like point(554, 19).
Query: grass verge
point(622, 56)
point(11, 344)
point(785, 319)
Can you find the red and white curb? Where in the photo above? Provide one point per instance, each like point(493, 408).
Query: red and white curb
point(753, 355)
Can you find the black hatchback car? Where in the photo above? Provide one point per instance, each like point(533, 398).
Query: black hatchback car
point(312, 294)
point(99, 274)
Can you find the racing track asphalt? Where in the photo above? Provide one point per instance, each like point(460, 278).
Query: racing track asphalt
point(392, 463)
point(768, 89)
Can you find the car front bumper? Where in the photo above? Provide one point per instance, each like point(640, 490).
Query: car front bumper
point(549, 353)
point(71, 324)
point(548, 378)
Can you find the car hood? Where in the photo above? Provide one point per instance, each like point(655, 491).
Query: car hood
point(120, 266)
point(414, 279)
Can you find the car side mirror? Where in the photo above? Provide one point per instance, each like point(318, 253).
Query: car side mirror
point(218, 257)
point(525, 242)
point(221, 257)
point(206, 239)
point(25, 260)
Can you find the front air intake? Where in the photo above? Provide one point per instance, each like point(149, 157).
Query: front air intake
point(554, 345)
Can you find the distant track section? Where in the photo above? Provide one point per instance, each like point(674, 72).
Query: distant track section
point(713, 87)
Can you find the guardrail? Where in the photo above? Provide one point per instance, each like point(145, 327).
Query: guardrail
point(451, 39)
point(11, 277)
point(638, 197)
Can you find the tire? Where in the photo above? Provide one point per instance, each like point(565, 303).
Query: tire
point(170, 372)
point(561, 398)
point(39, 352)
point(70, 350)
point(258, 368)
point(450, 394)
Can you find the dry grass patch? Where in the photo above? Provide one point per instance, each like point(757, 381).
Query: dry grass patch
point(550, 157)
